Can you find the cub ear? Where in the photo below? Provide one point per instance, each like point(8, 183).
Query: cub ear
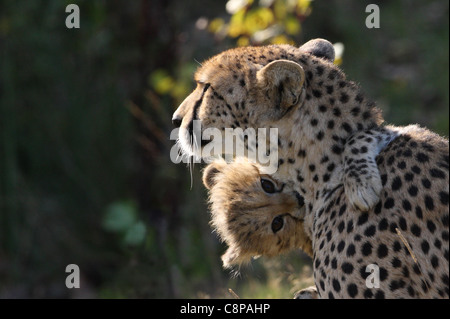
point(210, 173)
point(320, 48)
point(286, 77)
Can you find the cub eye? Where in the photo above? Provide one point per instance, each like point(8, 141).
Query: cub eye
point(277, 223)
point(267, 186)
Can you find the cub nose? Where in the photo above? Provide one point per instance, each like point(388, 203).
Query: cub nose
point(176, 121)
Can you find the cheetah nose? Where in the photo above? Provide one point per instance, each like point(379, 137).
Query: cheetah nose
point(176, 121)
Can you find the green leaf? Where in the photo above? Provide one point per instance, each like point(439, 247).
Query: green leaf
point(119, 216)
point(135, 235)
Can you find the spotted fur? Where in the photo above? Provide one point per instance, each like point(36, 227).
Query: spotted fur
point(317, 112)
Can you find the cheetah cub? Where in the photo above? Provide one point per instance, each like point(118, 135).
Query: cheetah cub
point(253, 213)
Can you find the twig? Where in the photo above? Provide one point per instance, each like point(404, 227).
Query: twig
point(412, 255)
point(235, 296)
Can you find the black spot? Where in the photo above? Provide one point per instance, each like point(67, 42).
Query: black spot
point(437, 173)
point(301, 153)
point(445, 235)
point(383, 179)
point(402, 223)
point(434, 261)
point(347, 127)
point(336, 285)
point(366, 249)
point(444, 220)
point(336, 112)
point(431, 226)
point(370, 231)
point(383, 224)
point(320, 135)
point(383, 274)
point(416, 230)
point(379, 295)
point(317, 93)
point(347, 268)
point(329, 89)
point(409, 177)
point(412, 190)
point(391, 160)
point(319, 70)
point(443, 197)
point(396, 183)
point(368, 294)
point(351, 250)
point(314, 122)
point(366, 115)
point(336, 149)
point(322, 108)
point(341, 227)
point(426, 183)
point(350, 226)
point(242, 82)
point(401, 165)
point(407, 153)
point(397, 246)
point(406, 205)
point(355, 111)
point(425, 247)
point(378, 207)
point(363, 218)
point(341, 246)
point(419, 212)
point(352, 290)
point(396, 263)
point(422, 158)
point(344, 98)
point(330, 124)
point(382, 251)
point(334, 263)
point(389, 203)
point(416, 169)
point(429, 204)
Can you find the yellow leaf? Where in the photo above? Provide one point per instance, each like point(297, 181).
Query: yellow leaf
point(303, 7)
point(292, 26)
point(281, 39)
point(280, 9)
point(216, 25)
point(243, 41)
point(236, 27)
point(257, 20)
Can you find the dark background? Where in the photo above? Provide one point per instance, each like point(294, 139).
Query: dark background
point(85, 173)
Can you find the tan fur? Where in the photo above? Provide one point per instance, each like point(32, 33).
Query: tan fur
point(242, 213)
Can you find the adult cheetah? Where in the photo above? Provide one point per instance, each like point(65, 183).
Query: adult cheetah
point(317, 111)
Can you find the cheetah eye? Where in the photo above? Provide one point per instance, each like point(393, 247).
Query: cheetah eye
point(267, 186)
point(277, 223)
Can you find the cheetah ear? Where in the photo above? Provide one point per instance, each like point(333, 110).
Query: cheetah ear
point(286, 77)
point(320, 48)
point(210, 173)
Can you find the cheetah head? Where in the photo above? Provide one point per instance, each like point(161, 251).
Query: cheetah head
point(250, 87)
point(253, 213)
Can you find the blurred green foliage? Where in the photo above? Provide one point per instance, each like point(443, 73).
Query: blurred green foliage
point(85, 174)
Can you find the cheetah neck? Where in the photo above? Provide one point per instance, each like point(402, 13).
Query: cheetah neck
point(312, 142)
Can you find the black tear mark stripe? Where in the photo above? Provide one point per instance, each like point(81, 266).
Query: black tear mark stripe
point(199, 102)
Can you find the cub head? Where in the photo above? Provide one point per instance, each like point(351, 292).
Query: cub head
point(253, 213)
point(249, 87)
